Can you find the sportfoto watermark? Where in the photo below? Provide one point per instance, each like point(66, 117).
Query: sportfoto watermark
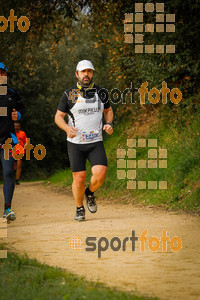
point(116, 96)
point(127, 163)
point(139, 27)
point(23, 22)
point(18, 150)
point(3, 234)
point(3, 87)
point(164, 91)
point(102, 244)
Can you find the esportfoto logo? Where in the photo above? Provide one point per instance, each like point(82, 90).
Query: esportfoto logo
point(156, 11)
point(23, 22)
point(128, 163)
point(39, 151)
point(92, 244)
point(115, 96)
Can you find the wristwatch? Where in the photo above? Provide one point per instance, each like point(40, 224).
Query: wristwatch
point(111, 124)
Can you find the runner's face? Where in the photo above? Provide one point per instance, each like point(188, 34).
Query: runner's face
point(85, 77)
point(17, 127)
point(3, 74)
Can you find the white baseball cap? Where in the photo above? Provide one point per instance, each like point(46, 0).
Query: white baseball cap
point(84, 64)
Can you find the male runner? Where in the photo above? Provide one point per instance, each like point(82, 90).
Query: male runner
point(85, 104)
point(11, 109)
point(21, 141)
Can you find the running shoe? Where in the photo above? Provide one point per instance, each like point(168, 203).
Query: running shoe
point(80, 214)
point(9, 214)
point(91, 203)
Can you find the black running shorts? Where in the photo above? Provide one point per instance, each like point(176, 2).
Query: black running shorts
point(78, 153)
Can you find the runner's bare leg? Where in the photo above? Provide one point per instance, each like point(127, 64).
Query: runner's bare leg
point(78, 187)
point(18, 170)
point(98, 177)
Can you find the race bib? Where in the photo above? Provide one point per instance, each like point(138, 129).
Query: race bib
point(89, 136)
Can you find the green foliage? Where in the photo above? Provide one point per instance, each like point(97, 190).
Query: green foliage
point(61, 178)
point(23, 278)
point(178, 70)
point(42, 62)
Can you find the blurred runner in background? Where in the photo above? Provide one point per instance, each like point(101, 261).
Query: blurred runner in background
point(21, 141)
point(11, 109)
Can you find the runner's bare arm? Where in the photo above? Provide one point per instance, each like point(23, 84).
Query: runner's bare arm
point(60, 121)
point(108, 115)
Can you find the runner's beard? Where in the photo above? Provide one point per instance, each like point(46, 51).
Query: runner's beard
point(86, 84)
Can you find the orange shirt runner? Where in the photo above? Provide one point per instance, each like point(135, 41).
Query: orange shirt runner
point(21, 138)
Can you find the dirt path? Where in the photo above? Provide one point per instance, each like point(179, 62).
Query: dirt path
point(45, 225)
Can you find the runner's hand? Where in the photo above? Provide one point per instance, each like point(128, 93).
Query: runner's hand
point(71, 131)
point(108, 128)
point(14, 115)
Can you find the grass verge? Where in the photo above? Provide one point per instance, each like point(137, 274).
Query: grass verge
point(23, 278)
point(181, 138)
